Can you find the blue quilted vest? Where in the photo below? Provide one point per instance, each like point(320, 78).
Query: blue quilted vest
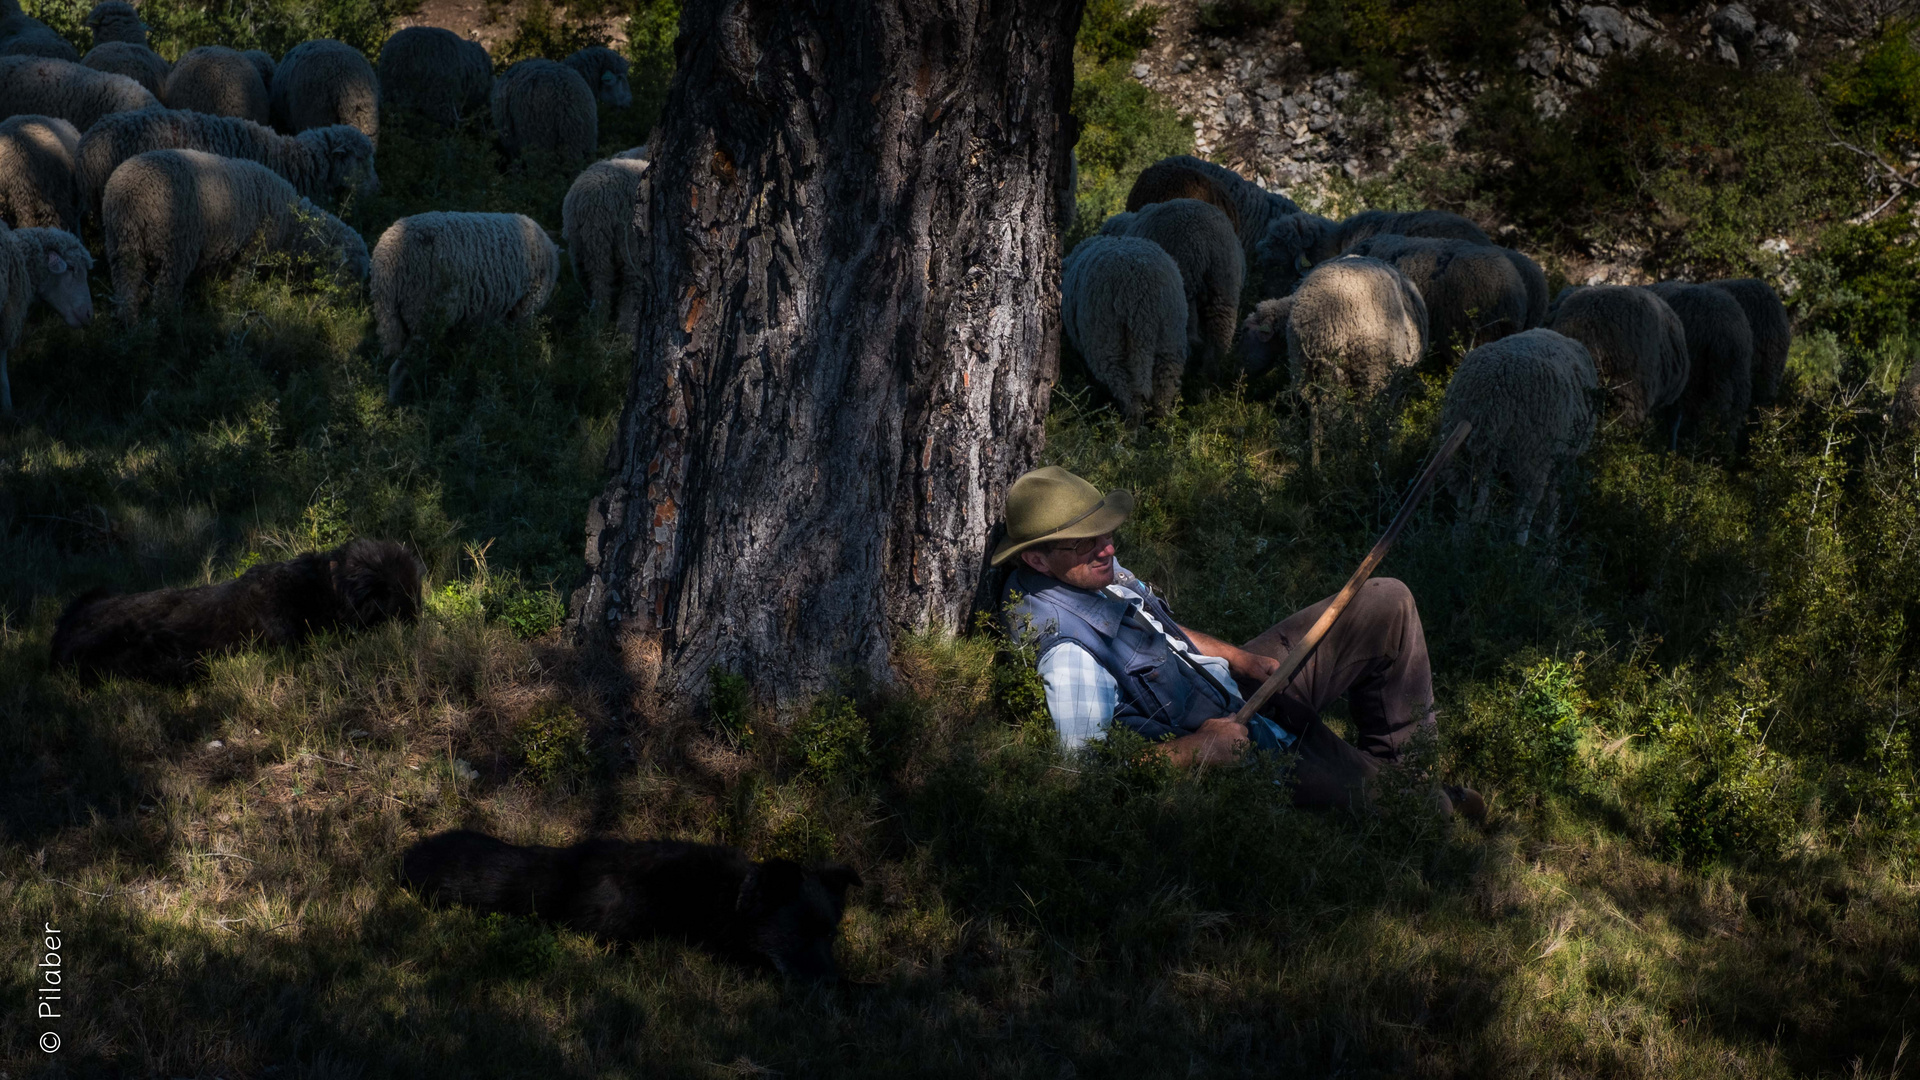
point(1160, 693)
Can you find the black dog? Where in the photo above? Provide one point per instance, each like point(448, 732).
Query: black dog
point(163, 635)
point(772, 914)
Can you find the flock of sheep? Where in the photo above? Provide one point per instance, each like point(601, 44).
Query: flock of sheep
point(1355, 304)
point(184, 168)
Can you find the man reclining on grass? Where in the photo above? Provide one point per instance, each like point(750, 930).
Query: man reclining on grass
point(1111, 653)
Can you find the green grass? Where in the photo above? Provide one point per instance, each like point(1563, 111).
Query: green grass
point(1692, 715)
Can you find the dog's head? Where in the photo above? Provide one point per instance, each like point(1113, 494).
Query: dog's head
point(377, 580)
point(789, 916)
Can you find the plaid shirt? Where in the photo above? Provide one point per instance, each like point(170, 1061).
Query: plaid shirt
point(1082, 696)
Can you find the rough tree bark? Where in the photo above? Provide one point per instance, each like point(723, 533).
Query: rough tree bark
point(847, 333)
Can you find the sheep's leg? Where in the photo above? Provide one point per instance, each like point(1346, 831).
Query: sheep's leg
point(1314, 410)
point(1550, 528)
point(396, 375)
point(1535, 489)
point(1482, 495)
point(129, 284)
point(1164, 371)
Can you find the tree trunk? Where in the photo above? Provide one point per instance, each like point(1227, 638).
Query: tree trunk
point(848, 326)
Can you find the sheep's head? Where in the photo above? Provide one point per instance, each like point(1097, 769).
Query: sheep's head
point(1118, 224)
point(1292, 245)
point(1263, 336)
point(58, 265)
point(614, 90)
point(349, 157)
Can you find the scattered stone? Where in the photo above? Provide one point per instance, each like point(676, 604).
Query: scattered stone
point(1140, 71)
point(1735, 23)
point(1724, 51)
point(216, 745)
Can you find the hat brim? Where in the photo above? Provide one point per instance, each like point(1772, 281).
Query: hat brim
point(1111, 512)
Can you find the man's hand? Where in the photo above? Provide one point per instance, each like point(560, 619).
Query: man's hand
point(1218, 741)
point(1251, 666)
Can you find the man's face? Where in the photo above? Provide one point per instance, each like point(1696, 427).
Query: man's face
point(1083, 564)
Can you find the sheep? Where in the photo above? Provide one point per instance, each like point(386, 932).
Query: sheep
point(1719, 357)
point(73, 92)
point(1535, 280)
point(1173, 178)
point(168, 214)
point(1530, 397)
point(1352, 326)
point(38, 185)
point(24, 35)
point(635, 153)
point(1267, 321)
point(1212, 266)
point(216, 80)
point(136, 62)
point(1772, 333)
point(1125, 311)
point(318, 162)
point(116, 21)
point(263, 64)
point(1473, 291)
point(47, 264)
point(1638, 346)
point(606, 72)
point(166, 635)
point(541, 105)
point(435, 270)
point(323, 82)
point(436, 73)
point(1295, 243)
point(595, 218)
point(1254, 206)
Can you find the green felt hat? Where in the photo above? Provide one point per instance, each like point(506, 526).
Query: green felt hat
point(1053, 504)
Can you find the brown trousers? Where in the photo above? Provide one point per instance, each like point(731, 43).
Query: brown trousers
point(1376, 655)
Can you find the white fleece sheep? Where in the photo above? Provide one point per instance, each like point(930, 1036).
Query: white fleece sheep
point(437, 270)
point(73, 92)
point(595, 220)
point(46, 264)
point(1125, 310)
point(216, 80)
point(1772, 333)
point(606, 72)
point(1296, 243)
point(1352, 327)
point(320, 163)
point(324, 82)
point(136, 62)
point(1212, 266)
point(1530, 397)
point(436, 73)
point(1719, 358)
point(263, 64)
point(543, 106)
point(169, 214)
point(1474, 292)
point(116, 21)
point(38, 185)
point(23, 35)
point(1639, 348)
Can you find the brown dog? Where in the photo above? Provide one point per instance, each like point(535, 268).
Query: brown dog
point(163, 635)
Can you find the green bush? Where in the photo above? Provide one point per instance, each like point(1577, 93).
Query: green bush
point(1238, 16)
point(552, 740)
point(1379, 37)
point(729, 706)
point(528, 612)
point(830, 740)
point(1876, 92)
point(1123, 126)
point(1528, 729)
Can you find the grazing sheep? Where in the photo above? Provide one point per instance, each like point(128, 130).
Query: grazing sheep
point(1263, 336)
point(168, 214)
point(1172, 178)
point(606, 72)
point(116, 21)
point(436, 73)
point(73, 92)
point(1212, 266)
point(47, 264)
point(1535, 280)
point(136, 62)
point(1772, 333)
point(23, 35)
point(1638, 347)
point(1254, 206)
point(323, 82)
point(1125, 310)
point(1530, 398)
point(1719, 358)
point(1295, 243)
point(437, 270)
point(263, 64)
point(1353, 325)
point(216, 80)
point(636, 153)
point(320, 162)
point(1474, 293)
point(595, 218)
point(38, 185)
point(165, 635)
point(541, 105)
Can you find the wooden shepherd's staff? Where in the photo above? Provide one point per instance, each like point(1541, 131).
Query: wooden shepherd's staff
point(1297, 655)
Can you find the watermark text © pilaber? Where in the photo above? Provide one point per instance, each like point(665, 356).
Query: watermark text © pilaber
point(50, 988)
